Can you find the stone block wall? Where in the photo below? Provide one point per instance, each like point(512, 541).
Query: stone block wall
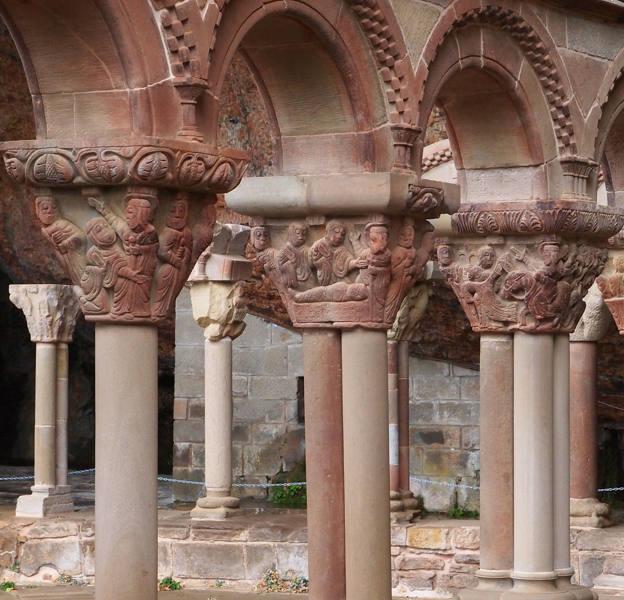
point(267, 388)
point(444, 433)
point(268, 431)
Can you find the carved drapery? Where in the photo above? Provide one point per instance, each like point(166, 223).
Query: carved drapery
point(126, 222)
point(343, 273)
point(521, 267)
point(611, 282)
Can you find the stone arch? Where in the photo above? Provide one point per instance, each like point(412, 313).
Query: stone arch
point(350, 113)
point(536, 47)
point(498, 120)
point(608, 132)
point(91, 58)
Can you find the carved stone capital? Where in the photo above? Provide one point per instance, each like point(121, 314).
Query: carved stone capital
point(141, 161)
point(219, 308)
point(51, 311)
point(521, 283)
point(130, 249)
point(345, 272)
point(585, 220)
point(595, 321)
point(611, 286)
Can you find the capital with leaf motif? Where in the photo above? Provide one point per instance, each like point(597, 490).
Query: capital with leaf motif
point(519, 266)
point(126, 220)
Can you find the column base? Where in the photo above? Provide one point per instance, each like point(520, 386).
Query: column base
point(536, 590)
point(404, 506)
point(492, 585)
point(580, 593)
point(45, 501)
point(215, 508)
point(589, 512)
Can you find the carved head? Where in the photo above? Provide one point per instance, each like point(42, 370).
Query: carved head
point(407, 236)
point(260, 238)
point(46, 209)
point(550, 253)
point(377, 238)
point(297, 234)
point(487, 257)
point(100, 233)
point(14, 167)
point(178, 213)
point(138, 212)
point(445, 255)
point(335, 233)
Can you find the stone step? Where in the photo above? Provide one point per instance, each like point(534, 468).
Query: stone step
point(80, 593)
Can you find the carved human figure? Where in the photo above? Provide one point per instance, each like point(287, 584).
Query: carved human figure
point(480, 292)
point(266, 257)
point(105, 260)
point(174, 252)
point(294, 259)
point(407, 265)
point(139, 239)
point(372, 282)
point(68, 239)
point(331, 258)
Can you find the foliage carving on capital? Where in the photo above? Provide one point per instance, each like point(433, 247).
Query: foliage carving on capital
point(176, 165)
point(355, 272)
point(51, 311)
point(533, 285)
point(129, 264)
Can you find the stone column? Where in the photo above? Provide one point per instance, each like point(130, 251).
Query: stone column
point(219, 308)
point(367, 523)
point(585, 508)
point(51, 312)
point(322, 359)
point(496, 453)
point(403, 505)
point(529, 279)
point(352, 278)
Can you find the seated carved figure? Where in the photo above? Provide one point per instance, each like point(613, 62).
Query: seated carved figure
point(294, 259)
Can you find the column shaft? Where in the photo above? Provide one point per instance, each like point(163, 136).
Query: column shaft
point(365, 406)
point(404, 417)
point(584, 426)
point(45, 416)
point(393, 410)
point(561, 432)
point(62, 413)
point(324, 463)
point(534, 551)
point(496, 447)
point(126, 381)
point(218, 502)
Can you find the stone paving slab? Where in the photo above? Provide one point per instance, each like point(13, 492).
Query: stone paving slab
point(60, 593)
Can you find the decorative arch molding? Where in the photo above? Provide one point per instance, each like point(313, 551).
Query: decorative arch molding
point(538, 49)
point(191, 28)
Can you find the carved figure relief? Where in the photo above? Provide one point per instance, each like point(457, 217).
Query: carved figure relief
point(174, 252)
point(67, 239)
point(611, 285)
point(537, 286)
point(353, 274)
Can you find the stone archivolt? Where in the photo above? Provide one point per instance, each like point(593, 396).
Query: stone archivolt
point(146, 162)
point(534, 274)
point(352, 273)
